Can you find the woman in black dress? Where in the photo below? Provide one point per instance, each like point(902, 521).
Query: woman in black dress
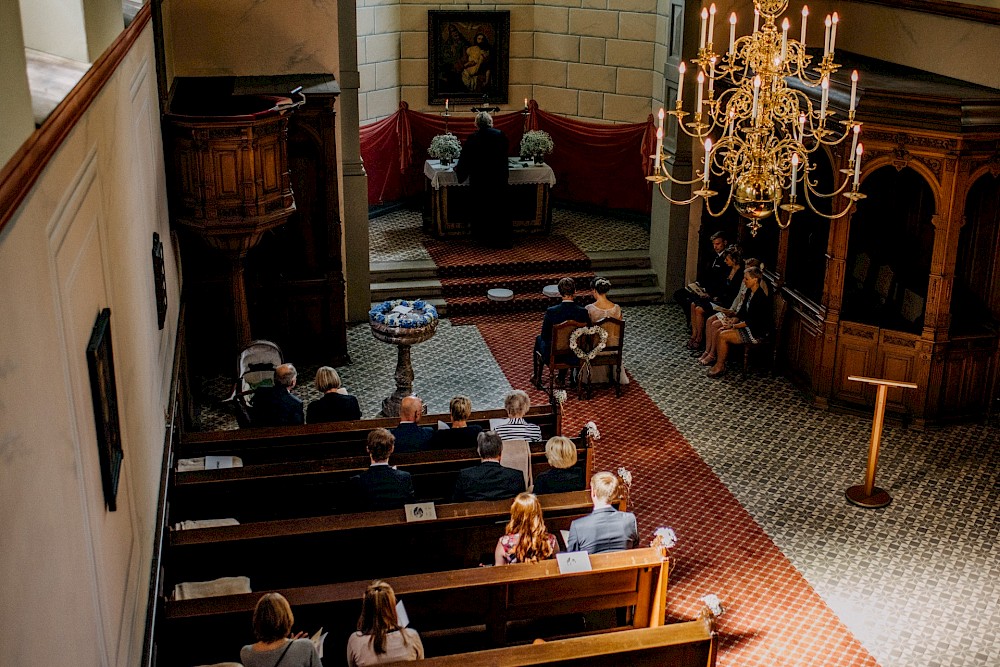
point(756, 320)
point(336, 405)
point(562, 476)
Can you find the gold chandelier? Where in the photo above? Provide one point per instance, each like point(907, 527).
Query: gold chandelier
point(764, 131)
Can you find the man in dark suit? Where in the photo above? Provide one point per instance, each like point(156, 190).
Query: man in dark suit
point(382, 487)
point(711, 279)
point(484, 162)
point(489, 480)
point(605, 529)
point(564, 311)
point(411, 436)
point(276, 406)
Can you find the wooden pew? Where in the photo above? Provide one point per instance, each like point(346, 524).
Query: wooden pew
point(314, 488)
point(316, 441)
point(687, 644)
point(301, 552)
point(457, 610)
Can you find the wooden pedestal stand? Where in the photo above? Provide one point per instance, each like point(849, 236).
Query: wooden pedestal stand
point(867, 494)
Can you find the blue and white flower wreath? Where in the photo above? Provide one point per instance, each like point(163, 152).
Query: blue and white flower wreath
point(421, 315)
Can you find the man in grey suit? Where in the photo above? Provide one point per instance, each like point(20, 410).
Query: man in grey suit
point(605, 529)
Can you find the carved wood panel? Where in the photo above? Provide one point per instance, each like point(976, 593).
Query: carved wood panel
point(856, 352)
point(803, 341)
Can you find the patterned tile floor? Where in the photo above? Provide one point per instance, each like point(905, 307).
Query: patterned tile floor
point(399, 236)
point(751, 475)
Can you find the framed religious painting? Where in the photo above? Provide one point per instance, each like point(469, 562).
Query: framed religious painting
point(468, 57)
point(104, 394)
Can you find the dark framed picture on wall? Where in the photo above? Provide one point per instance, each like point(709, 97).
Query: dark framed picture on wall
point(104, 393)
point(468, 57)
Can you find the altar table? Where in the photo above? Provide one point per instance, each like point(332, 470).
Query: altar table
point(448, 208)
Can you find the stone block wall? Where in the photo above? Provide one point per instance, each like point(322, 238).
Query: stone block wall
point(591, 59)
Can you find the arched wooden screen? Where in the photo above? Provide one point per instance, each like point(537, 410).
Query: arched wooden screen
point(889, 252)
point(975, 301)
point(808, 236)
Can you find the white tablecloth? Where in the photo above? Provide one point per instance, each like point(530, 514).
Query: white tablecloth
point(519, 174)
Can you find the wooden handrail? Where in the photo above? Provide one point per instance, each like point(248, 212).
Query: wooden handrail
point(22, 171)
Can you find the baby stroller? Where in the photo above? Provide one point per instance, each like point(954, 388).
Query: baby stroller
point(254, 368)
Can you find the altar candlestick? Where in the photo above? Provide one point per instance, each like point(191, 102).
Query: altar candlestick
point(805, 15)
point(857, 165)
point(446, 105)
point(833, 34)
point(854, 142)
point(795, 172)
point(854, 88)
point(711, 22)
point(756, 90)
point(708, 161)
point(525, 102)
point(704, 27)
point(701, 85)
point(732, 35)
point(826, 37)
point(824, 99)
point(680, 82)
point(756, 20)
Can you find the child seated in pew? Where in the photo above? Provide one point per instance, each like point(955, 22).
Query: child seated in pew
point(380, 638)
point(272, 623)
point(526, 540)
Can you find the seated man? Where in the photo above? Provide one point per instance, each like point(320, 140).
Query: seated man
point(489, 480)
point(460, 435)
point(381, 487)
point(566, 310)
point(517, 403)
point(276, 406)
point(713, 277)
point(605, 529)
point(411, 436)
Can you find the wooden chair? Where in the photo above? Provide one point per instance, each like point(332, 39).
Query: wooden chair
point(611, 355)
point(561, 358)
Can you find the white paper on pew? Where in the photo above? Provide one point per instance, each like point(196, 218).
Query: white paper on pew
point(217, 462)
point(443, 426)
point(565, 536)
point(496, 422)
point(195, 524)
point(402, 310)
point(401, 618)
point(317, 640)
point(420, 512)
point(573, 561)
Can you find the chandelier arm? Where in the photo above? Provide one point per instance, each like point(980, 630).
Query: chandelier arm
point(683, 202)
point(809, 188)
point(722, 210)
point(828, 216)
point(677, 181)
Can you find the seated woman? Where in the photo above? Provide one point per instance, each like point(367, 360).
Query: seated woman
point(560, 452)
point(460, 435)
point(756, 321)
point(336, 405)
point(526, 540)
point(379, 637)
point(701, 308)
point(716, 324)
point(603, 308)
point(272, 623)
point(517, 405)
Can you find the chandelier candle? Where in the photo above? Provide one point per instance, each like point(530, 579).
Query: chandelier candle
point(760, 132)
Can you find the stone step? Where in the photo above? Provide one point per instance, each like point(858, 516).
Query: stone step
point(404, 270)
point(618, 259)
point(406, 289)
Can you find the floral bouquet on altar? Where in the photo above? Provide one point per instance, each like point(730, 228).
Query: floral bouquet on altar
point(445, 147)
point(536, 143)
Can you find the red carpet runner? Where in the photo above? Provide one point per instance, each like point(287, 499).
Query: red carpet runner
point(773, 616)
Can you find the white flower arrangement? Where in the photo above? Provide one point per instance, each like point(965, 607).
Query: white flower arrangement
point(592, 431)
point(445, 147)
point(560, 396)
point(536, 142)
point(665, 537)
point(714, 604)
point(625, 475)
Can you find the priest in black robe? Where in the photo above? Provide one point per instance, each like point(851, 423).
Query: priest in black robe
point(484, 163)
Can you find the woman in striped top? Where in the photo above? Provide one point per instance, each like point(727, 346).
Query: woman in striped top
point(517, 405)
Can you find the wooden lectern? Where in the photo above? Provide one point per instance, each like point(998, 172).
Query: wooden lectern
point(867, 494)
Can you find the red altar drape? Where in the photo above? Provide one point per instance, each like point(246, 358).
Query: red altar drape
point(594, 163)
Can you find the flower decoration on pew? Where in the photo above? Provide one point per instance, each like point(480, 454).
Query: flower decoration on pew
point(445, 147)
point(626, 489)
point(536, 143)
point(592, 432)
point(714, 604)
point(560, 396)
point(665, 537)
point(625, 475)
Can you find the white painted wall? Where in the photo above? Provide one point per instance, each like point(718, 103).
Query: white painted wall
point(74, 576)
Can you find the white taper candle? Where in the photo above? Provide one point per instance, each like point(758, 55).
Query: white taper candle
point(704, 27)
point(732, 35)
point(795, 172)
point(680, 81)
point(805, 15)
point(756, 91)
point(854, 88)
point(708, 161)
point(711, 22)
point(857, 165)
point(826, 37)
point(833, 34)
point(824, 99)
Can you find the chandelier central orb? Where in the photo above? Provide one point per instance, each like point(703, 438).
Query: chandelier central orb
point(758, 133)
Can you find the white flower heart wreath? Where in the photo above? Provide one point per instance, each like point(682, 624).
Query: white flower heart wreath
point(588, 331)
